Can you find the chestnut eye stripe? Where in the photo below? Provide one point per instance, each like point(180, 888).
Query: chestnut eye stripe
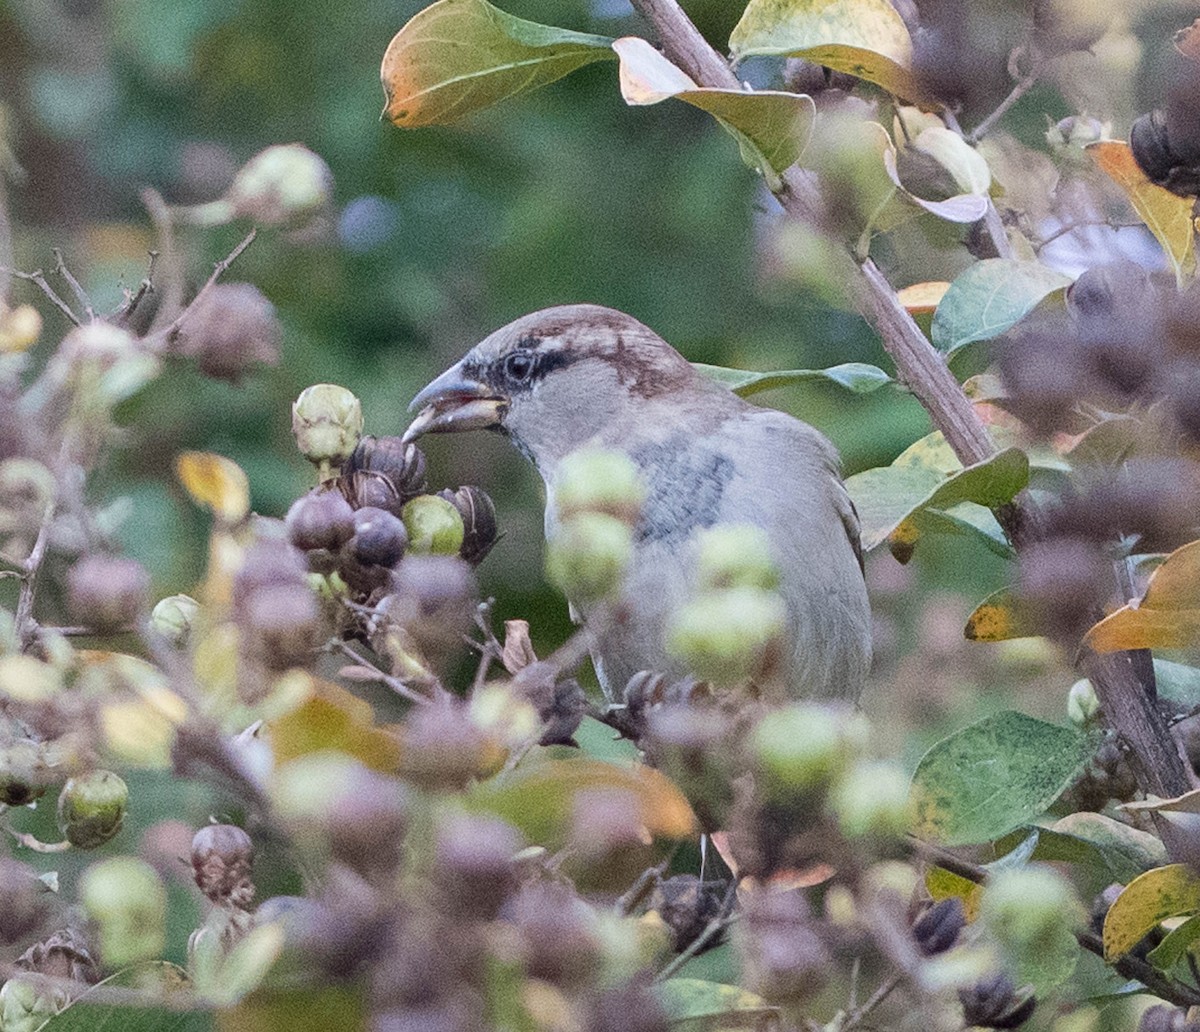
point(519, 370)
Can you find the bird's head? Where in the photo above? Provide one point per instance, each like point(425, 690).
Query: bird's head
point(555, 380)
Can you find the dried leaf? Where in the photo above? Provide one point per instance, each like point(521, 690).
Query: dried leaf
point(1000, 617)
point(1166, 617)
point(921, 298)
point(518, 652)
point(217, 483)
point(1167, 216)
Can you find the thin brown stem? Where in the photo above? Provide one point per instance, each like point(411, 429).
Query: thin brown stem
point(38, 277)
point(1129, 966)
point(859, 1014)
point(1023, 86)
point(382, 676)
point(168, 335)
point(23, 620)
point(81, 295)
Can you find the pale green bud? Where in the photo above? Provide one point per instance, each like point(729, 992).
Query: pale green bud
point(1027, 906)
point(91, 808)
point(871, 799)
point(728, 636)
point(805, 746)
point(285, 184)
point(327, 422)
point(126, 899)
point(174, 616)
point(1083, 707)
point(735, 556)
point(588, 556)
point(434, 525)
point(596, 480)
point(26, 1006)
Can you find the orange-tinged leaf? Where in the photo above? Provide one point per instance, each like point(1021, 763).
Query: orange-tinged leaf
point(1171, 891)
point(538, 797)
point(460, 56)
point(922, 298)
point(776, 125)
point(1167, 216)
point(999, 617)
point(865, 38)
point(942, 884)
point(781, 881)
point(1166, 617)
point(215, 482)
point(335, 719)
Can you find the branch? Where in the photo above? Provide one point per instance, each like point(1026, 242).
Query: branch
point(1023, 86)
point(81, 295)
point(39, 278)
point(219, 269)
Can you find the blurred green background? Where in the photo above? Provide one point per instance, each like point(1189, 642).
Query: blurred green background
point(442, 235)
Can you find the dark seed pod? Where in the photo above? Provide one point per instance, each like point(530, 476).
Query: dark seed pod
point(1164, 1018)
point(1148, 141)
point(403, 464)
point(557, 931)
point(320, 519)
point(282, 625)
point(994, 1002)
point(474, 865)
point(222, 855)
point(24, 775)
point(479, 521)
point(937, 929)
point(107, 593)
point(364, 489)
point(23, 901)
point(688, 905)
point(63, 954)
point(231, 329)
point(379, 537)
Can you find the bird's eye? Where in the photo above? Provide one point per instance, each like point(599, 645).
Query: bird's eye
point(518, 366)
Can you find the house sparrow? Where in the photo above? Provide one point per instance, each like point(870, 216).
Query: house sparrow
point(577, 375)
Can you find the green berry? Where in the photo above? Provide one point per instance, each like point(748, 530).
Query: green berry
point(598, 481)
point(588, 556)
point(91, 808)
point(434, 525)
point(127, 901)
point(173, 618)
point(327, 422)
point(728, 636)
point(735, 556)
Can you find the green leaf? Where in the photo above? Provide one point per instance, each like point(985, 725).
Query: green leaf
point(773, 127)
point(866, 38)
point(1178, 682)
point(889, 496)
point(1170, 891)
point(857, 377)
point(456, 57)
point(1171, 950)
point(1114, 849)
point(156, 977)
point(960, 159)
point(693, 1005)
point(994, 776)
point(971, 520)
point(987, 299)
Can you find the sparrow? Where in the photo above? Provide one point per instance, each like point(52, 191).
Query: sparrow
point(582, 375)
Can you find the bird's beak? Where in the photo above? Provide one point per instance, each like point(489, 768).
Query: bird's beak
point(455, 401)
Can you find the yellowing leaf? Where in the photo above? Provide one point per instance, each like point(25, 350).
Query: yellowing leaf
point(334, 719)
point(888, 496)
point(866, 38)
point(776, 125)
point(1171, 891)
point(1000, 617)
point(1167, 216)
point(215, 482)
point(1166, 617)
point(942, 884)
point(920, 298)
point(538, 797)
point(456, 57)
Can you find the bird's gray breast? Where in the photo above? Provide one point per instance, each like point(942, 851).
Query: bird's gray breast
point(685, 484)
